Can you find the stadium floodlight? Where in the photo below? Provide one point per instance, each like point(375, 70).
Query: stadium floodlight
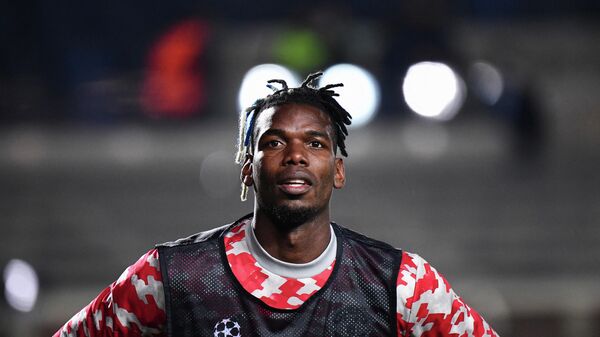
point(254, 84)
point(360, 95)
point(433, 90)
point(21, 285)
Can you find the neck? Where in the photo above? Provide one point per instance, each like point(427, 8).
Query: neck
point(301, 244)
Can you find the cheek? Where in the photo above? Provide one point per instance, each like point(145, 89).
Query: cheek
point(327, 173)
point(261, 172)
point(257, 164)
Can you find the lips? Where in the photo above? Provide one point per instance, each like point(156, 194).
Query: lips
point(295, 184)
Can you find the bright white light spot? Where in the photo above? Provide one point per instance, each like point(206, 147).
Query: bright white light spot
point(487, 82)
point(20, 285)
point(219, 175)
point(360, 94)
point(254, 84)
point(433, 90)
point(426, 141)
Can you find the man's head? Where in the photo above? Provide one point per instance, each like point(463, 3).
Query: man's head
point(321, 98)
point(289, 146)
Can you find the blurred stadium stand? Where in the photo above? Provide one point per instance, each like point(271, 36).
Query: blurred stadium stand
point(503, 200)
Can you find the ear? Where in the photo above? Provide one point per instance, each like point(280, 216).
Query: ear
point(339, 179)
point(246, 173)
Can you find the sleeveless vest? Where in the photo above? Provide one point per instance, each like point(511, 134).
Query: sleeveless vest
point(203, 297)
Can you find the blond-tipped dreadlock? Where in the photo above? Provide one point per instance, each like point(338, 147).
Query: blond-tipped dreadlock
point(321, 98)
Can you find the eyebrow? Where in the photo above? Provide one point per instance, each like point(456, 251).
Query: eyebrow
point(281, 133)
point(273, 132)
point(317, 134)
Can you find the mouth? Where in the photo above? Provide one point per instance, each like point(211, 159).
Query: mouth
point(294, 186)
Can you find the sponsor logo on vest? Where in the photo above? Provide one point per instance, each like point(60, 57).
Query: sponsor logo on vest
point(227, 328)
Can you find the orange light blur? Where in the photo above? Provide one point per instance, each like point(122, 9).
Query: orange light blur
point(174, 83)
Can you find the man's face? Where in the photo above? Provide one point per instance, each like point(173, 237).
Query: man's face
point(293, 167)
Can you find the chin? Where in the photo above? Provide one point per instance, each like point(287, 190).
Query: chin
point(292, 214)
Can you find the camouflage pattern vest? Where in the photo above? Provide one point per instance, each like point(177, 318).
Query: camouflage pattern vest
point(203, 297)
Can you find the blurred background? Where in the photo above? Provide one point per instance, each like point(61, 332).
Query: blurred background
point(475, 141)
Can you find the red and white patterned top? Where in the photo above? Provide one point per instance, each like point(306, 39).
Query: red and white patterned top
point(134, 304)
point(277, 291)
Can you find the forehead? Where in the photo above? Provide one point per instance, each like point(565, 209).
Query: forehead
point(293, 117)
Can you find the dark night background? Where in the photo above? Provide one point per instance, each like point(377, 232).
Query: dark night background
point(118, 123)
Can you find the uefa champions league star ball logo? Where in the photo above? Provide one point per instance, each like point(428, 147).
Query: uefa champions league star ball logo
point(227, 328)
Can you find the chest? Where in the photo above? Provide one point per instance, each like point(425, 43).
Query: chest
point(206, 299)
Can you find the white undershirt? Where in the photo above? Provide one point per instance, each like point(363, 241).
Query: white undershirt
point(287, 269)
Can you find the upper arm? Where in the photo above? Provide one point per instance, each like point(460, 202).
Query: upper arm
point(131, 306)
point(427, 305)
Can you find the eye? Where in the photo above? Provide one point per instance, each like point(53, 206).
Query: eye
point(274, 143)
point(316, 144)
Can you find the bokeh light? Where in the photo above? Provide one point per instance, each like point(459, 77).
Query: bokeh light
point(360, 94)
point(486, 81)
point(301, 49)
point(433, 90)
point(174, 83)
point(254, 84)
point(20, 285)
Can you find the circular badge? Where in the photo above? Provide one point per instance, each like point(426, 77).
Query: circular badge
point(227, 328)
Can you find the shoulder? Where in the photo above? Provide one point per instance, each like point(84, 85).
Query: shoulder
point(132, 305)
point(412, 264)
point(419, 286)
point(415, 269)
point(144, 273)
point(428, 306)
point(416, 277)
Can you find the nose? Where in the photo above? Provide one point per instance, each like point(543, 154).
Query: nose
point(295, 154)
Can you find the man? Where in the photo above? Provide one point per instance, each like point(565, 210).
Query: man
point(285, 269)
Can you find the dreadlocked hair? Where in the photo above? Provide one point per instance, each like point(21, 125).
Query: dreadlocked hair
point(321, 98)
